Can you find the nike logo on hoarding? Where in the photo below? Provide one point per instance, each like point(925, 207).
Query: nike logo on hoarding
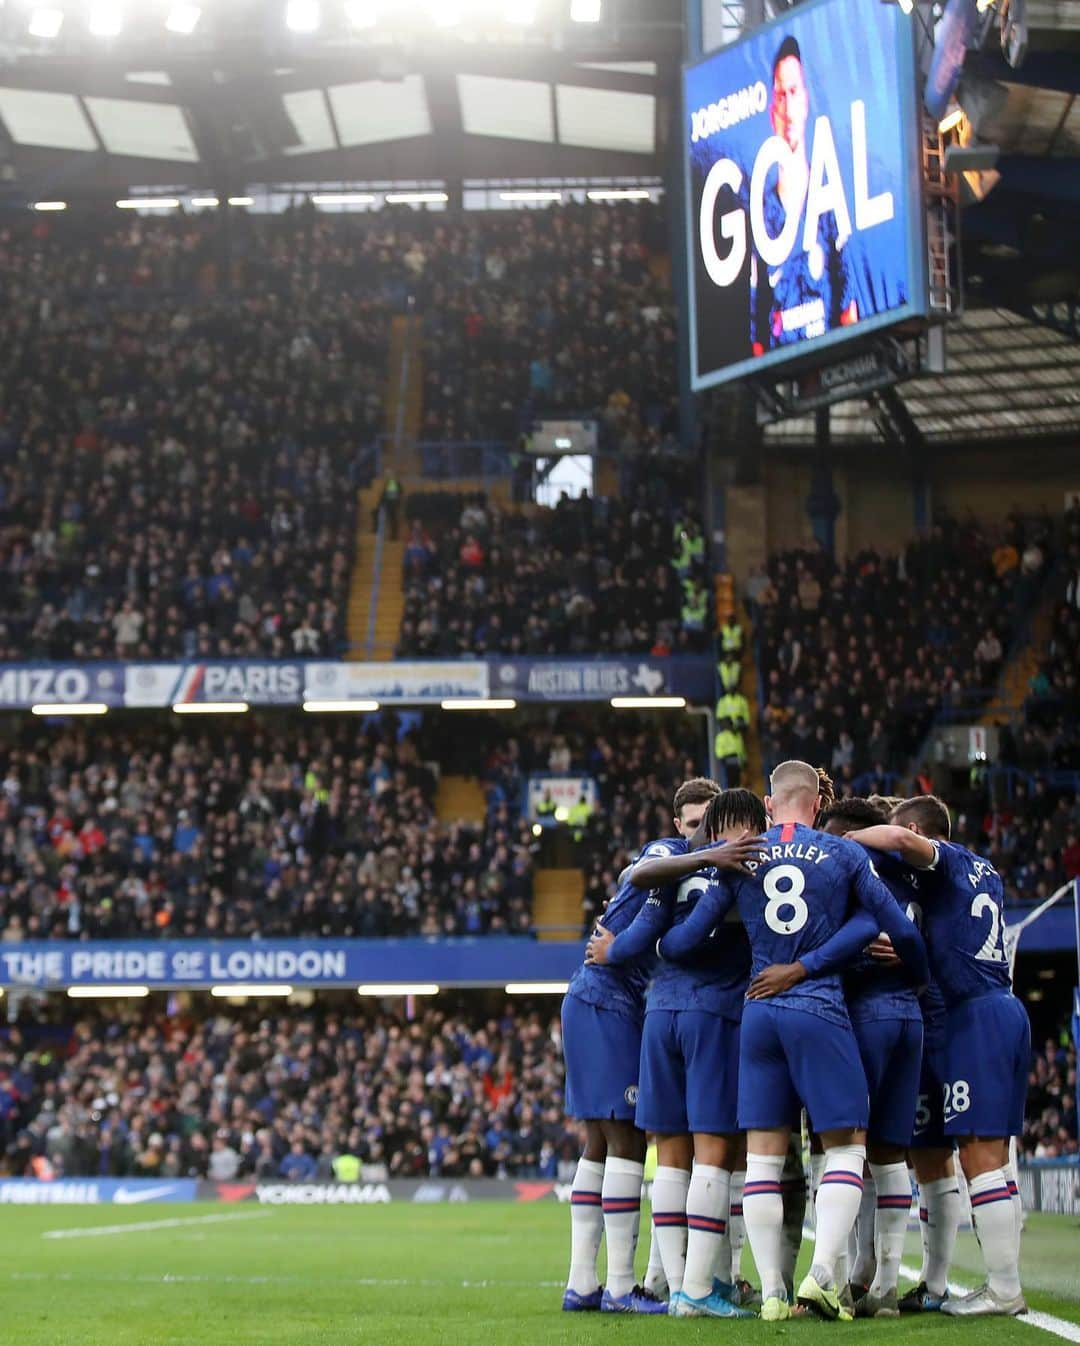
point(132, 1196)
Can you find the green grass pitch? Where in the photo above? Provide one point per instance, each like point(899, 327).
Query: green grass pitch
point(479, 1275)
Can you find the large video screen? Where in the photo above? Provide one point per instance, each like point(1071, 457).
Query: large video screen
point(804, 207)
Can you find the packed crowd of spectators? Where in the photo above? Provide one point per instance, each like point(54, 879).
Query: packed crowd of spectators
point(568, 311)
point(281, 825)
point(172, 1091)
point(180, 409)
point(175, 433)
point(1050, 1123)
point(588, 576)
point(857, 660)
point(1050, 738)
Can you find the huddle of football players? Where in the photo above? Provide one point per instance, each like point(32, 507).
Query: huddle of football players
point(797, 954)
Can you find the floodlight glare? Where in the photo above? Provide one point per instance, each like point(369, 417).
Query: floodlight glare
point(106, 18)
point(342, 199)
point(50, 205)
point(46, 22)
point(445, 13)
point(585, 11)
point(620, 194)
point(183, 19)
point(361, 13)
point(951, 121)
point(302, 16)
point(415, 198)
point(521, 12)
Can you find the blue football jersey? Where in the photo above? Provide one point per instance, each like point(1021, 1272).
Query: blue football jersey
point(875, 991)
point(794, 900)
point(963, 913)
point(714, 977)
point(620, 985)
point(932, 1005)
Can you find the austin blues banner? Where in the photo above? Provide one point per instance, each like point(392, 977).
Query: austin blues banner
point(803, 187)
point(578, 679)
point(171, 964)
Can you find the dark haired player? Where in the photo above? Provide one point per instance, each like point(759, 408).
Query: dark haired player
point(798, 1049)
point(602, 1017)
point(690, 1060)
point(987, 1034)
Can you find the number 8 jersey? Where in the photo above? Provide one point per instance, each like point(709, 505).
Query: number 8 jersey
point(963, 921)
point(799, 896)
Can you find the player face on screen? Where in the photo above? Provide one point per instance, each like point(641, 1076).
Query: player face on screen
point(790, 107)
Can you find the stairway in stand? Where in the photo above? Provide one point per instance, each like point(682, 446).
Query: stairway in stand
point(460, 799)
point(557, 897)
point(1008, 700)
point(376, 593)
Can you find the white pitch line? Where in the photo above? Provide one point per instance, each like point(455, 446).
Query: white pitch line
point(1061, 1327)
point(146, 1226)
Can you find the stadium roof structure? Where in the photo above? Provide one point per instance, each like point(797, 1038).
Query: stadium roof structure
point(245, 100)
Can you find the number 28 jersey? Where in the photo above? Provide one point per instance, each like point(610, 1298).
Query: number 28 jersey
point(963, 903)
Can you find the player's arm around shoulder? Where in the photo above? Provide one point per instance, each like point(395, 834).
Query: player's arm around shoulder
point(872, 894)
point(712, 906)
point(916, 850)
point(640, 936)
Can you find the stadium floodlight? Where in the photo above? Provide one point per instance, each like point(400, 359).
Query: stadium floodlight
point(183, 19)
point(479, 703)
point(205, 201)
point(537, 988)
point(342, 199)
point(951, 121)
point(210, 707)
point(415, 198)
point(241, 200)
point(49, 205)
point(361, 13)
point(390, 988)
point(340, 706)
point(585, 11)
point(619, 194)
point(149, 203)
point(45, 23)
point(531, 195)
point(63, 708)
point(108, 992)
point(106, 18)
point(648, 703)
point(243, 988)
point(445, 13)
point(521, 12)
point(302, 16)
